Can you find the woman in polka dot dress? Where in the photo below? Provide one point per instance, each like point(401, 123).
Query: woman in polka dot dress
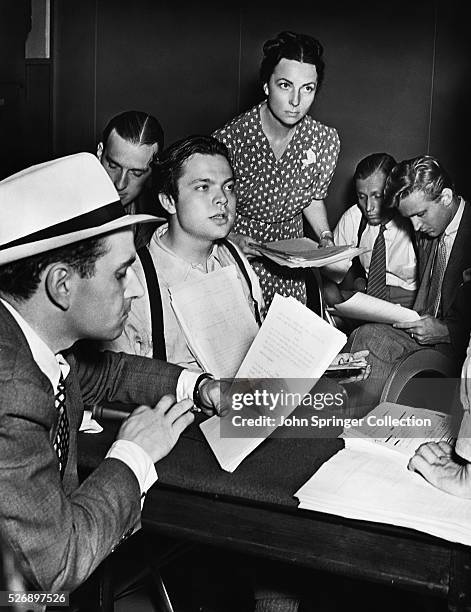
point(283, 160)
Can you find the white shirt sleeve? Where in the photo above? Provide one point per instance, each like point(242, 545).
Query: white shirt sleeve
point(344, 233)
point(137, 460)
point(186, 384)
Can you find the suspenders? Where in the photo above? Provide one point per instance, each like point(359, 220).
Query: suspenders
point(155, 299)
point(238, 259)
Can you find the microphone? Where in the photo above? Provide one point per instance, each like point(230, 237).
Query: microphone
point(101, 412)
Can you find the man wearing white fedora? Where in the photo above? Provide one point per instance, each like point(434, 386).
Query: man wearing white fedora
point(66, 249)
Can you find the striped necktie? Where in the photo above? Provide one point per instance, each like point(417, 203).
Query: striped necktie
point(377, 271)
point(436, 279)
point(61, 437)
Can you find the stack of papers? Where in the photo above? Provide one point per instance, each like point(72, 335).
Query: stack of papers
point(369, 479)
point(304, 253)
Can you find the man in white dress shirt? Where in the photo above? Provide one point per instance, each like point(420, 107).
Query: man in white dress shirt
point(422, 191)
point(360, 225)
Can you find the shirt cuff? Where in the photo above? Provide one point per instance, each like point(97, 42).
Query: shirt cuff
point(137, 460)
point(186, 384)
point(89, 425)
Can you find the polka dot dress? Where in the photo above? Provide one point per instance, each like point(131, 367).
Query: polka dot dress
point(271, 193)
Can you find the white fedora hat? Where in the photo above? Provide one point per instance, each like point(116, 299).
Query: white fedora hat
point(57, 203)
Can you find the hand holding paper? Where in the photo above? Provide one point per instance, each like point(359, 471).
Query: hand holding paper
point(290, 352)
point(426, 330)
point(368, 308)
point(350, 367)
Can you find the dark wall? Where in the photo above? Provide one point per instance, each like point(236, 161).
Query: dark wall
point(14, 27)
point(396, 77)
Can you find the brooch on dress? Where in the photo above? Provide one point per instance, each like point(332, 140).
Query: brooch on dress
point(310, 158)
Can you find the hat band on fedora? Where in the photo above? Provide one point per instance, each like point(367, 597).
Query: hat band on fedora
point(94, 218)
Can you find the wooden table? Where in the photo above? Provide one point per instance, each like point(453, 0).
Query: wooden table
point(253, 510)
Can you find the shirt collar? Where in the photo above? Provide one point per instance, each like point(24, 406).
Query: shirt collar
point(162, 230)
point(454, 224)
point(51, 365)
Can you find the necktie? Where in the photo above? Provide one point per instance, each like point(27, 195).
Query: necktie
point(377, 271)
point(436, 280)
point(61, 438)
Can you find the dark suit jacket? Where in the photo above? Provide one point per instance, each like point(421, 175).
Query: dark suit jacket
point(61, 531)
point(454, 303)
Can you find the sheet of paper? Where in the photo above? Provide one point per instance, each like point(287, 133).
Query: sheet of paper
point(400, 428)
point(374, 486)
point(216, 319)
point(229, 452)
point(295, 346)
point(368, 308)
point(293, 342)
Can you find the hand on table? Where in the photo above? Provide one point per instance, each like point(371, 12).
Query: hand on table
point(426, 330)
point(439, 465)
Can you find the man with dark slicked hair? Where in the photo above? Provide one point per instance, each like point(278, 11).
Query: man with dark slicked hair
point(129, 147)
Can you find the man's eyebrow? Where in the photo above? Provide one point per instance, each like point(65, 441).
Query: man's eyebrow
point(282, 78)
point(127, 263)
point(209, 180)
point(116, 163)
point(201, 180)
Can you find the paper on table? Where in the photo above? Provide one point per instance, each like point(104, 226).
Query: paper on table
point(293, 344)
point(376, 486)
point(218, 324)
point(405, 437)
point(368, 308)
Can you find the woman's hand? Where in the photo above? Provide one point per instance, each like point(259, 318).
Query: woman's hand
point(326, 241)
point(246, 244)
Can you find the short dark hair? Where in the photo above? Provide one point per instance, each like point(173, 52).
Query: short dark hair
point(169, 167)
point(423, 173)
point(136, 127)
point(20, 279)
point(376, 162)
point(292, 46)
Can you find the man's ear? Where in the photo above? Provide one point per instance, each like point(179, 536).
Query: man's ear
point(265, 89)
point(168, 203)
point(446, 196)
point(99, 150)
point(58, 285)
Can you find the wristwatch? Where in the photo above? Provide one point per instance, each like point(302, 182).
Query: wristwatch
point(196, 390)
point(327, 234)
